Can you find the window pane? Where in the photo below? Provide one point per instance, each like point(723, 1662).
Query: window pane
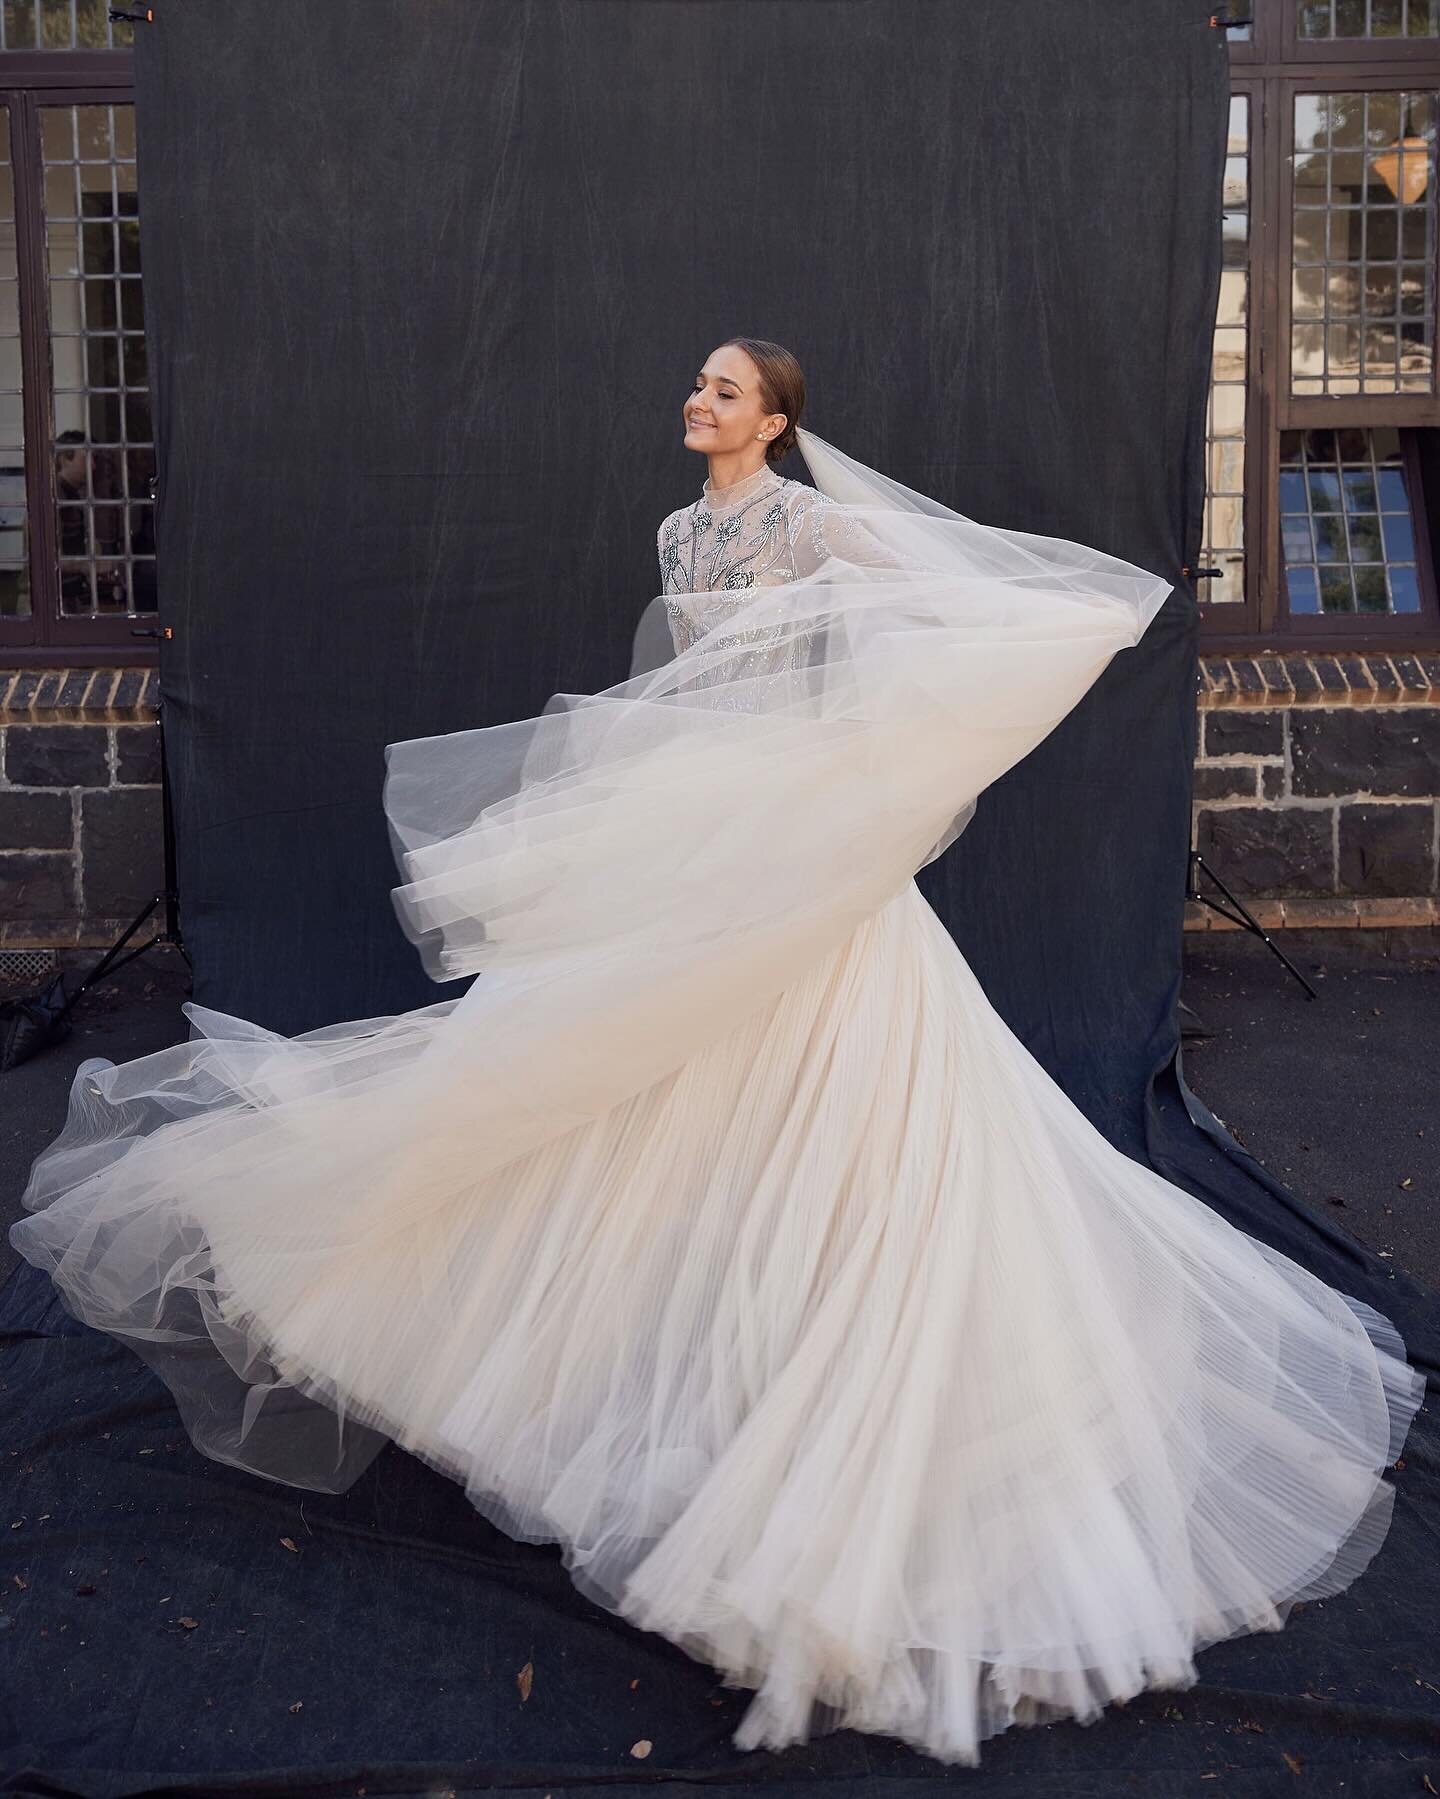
point(1223, 538)
point(1347, 530)
point(1362, 243)
point(1357, 19)
point(14, 522)
point(62, 25)
point(103, 454)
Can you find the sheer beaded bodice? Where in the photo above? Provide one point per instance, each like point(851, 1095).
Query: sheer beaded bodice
point(761, 531)
point(730, 541)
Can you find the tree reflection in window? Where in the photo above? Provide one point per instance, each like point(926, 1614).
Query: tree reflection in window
point(1346, 522)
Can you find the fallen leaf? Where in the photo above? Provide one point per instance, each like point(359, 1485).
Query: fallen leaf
point(633, 1685)
point(525, 1678)
point(189, 1623)
point(1407, 1182)
point(298, 1703)
point(22, 1584)
point(1292, 1762)
point(641, 1749)
point(289, 1543)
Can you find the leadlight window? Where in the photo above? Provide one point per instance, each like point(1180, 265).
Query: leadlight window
point(1347, 522)
point(1341, 439)
point(1224, 538)
point(62, 25)
point(103, 446)
point(1328, 20)
point(14, 515)
point(1363, 243)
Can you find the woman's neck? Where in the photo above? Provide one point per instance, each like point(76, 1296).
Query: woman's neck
point(740, 488)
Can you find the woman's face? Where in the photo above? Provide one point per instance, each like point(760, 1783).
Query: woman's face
point(724, 414)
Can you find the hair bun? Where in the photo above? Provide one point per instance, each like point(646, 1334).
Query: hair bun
point(782, 389)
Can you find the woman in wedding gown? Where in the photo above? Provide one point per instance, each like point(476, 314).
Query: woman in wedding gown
point(721, 1231)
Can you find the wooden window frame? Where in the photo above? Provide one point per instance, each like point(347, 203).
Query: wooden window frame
point(1271, 67)
point(30, 79)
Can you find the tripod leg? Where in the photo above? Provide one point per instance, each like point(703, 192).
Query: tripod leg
point(1245, 919)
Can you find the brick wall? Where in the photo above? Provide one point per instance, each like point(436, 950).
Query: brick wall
point(81, 844)
point(1317, 788)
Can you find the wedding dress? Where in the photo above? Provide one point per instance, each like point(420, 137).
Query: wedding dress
point(721, 1231)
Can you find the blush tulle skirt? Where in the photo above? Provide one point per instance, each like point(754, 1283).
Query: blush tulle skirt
point(848, 1355)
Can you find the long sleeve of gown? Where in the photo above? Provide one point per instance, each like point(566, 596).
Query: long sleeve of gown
point(823, 531)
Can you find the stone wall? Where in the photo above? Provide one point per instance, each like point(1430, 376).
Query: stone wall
point(1317, 788)
point(81, 842)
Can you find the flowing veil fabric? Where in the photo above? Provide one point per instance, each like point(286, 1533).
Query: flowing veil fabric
point(938, 652)
point(602, 1237)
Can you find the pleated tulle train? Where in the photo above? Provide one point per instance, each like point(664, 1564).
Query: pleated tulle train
point(853, 1359)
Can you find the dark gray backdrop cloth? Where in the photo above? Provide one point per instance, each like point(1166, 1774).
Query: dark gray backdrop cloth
point(426, 287)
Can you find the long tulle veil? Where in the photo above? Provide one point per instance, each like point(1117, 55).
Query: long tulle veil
point(938, 651)
point(628, 875)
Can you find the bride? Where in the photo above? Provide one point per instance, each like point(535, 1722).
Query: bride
point(720, 1231)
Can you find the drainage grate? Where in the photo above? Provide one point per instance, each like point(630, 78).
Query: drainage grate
point(22, 969)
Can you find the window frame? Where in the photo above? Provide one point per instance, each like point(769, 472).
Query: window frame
point(1271, 67)
point(1293, 48)
point(29, 80)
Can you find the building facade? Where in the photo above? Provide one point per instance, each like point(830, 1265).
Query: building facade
point(1317, 785)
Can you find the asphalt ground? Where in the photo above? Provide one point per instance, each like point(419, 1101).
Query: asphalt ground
point(1338, 1096)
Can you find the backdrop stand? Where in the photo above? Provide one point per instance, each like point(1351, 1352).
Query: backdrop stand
point(1246, 920)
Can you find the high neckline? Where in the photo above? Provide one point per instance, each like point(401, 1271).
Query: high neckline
point(717, 498)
